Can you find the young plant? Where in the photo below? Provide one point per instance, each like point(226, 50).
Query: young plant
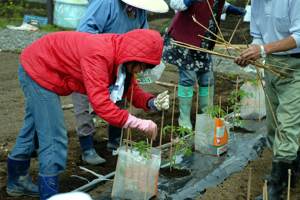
point(235, 99)
point(143, 148)
point(214, 111)
point(180, 132)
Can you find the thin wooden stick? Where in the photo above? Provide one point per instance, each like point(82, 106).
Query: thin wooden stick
point(289, 185)
point(161, 130)
point(252, 62)
point(249, 185)
point(129, 130)
point(227, 115)
point(269, 105)
point(217, 24)
point(266, 188)
point(197, 86)
point(208, 97)
point(145, 197)
point(121, 139)
point(236, 90)
point(172, 126)
point(166, 84)
point(240, 50)
point(220, 109)
point(231, 57)
point(265, 58)
point(234, 32)
point(259, 105)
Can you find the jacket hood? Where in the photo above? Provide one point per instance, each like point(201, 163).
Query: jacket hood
point(141, 45)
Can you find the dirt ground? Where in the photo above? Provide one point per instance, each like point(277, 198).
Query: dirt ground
point(12, 112)
point(12, 109)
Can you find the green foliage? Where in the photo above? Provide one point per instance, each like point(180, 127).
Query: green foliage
point(214, 111)
point(98, 121)
point(180, 132)
point(143, 148)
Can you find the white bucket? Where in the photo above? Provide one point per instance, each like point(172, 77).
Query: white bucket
point(68, 14)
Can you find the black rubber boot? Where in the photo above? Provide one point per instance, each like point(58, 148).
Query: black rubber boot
point(294, 171)
point(278, 180)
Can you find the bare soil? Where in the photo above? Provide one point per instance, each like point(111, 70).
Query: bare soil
point(12, 112)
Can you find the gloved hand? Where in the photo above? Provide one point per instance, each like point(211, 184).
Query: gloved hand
point(161, 102)
point(147, 126)
point(238, 11)
point(189, 3)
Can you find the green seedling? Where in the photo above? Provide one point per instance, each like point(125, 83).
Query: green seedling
point(143, 148)
point(180, 132)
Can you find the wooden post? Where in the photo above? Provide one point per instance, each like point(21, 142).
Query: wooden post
point(172, 126)
point(249, 185)
point(50, 11)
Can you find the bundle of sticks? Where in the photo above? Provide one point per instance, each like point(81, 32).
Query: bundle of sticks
point(227, 44)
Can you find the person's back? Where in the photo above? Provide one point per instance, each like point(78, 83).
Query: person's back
point(107, 16)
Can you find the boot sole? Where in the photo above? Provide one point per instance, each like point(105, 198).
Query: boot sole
point(98, 163)
point(14, 194)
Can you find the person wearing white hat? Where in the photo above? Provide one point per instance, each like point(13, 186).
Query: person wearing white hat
point(191, 62)
point(108, 16)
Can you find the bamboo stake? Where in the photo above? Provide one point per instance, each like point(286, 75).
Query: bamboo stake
point(216, 24)
point(197, 91)
point(220, 109)
point(172, 126)
point(197, 107)
point(227, 115)
point(208, 96)
point(236, 90)
point(145, 197)
point(234, 31)
point(129, 130)
point(231, 57)
point(266, 189)
point(161, 130)
point(269, 105)
point(166, 84)
point(252, 62)
point(240, 50)
point(265, 58)
point(259, 106)
point(249, 185)
point(289, 185)
point(121, 139)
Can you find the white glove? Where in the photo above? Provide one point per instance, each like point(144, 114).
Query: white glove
point(161, 102)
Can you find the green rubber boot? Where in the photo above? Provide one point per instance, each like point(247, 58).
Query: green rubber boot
point(203, 97)
point(185, 97)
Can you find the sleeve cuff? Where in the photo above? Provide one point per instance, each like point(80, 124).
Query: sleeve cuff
point(297, 39)
point(258, 41)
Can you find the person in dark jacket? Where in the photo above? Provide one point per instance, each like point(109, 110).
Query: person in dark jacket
point(61, 63)
point(192, 62)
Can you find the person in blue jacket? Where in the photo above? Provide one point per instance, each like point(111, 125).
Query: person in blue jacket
point(108, 16)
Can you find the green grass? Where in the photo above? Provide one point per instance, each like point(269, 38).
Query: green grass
point(10, 15)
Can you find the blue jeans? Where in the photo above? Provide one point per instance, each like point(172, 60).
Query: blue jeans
point(44, 121)
point(187, 78)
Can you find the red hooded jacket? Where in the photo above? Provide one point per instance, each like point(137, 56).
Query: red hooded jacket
point(64, 62)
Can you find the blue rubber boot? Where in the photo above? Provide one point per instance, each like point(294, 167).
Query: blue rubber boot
point(114, 137)
point(89, 155)
point(185, 97)
point(19, 183)
point(203, 98)
point(48, 185)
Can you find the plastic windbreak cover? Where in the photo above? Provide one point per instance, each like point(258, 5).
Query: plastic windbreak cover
point(208, 135)
point(136, 176)
point(253, 107)
point(150, 75)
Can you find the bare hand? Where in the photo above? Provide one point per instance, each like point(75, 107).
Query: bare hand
point(252, 53)
point(241, 61)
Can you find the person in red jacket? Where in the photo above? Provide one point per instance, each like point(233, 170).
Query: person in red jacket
point(61, 63)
